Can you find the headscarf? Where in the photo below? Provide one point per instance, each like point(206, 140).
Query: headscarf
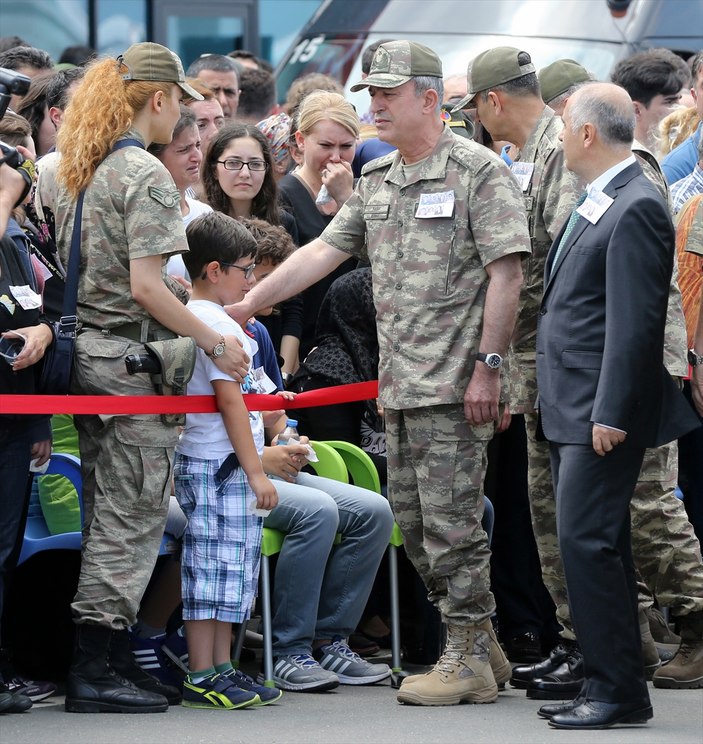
point(276, 129)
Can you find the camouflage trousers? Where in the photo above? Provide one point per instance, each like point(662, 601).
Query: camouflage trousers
point(436, 469)
point(126, 464)
point(665, 550)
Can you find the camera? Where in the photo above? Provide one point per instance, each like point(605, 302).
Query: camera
point(10, 156)
point(11, 84)
point(137, 363)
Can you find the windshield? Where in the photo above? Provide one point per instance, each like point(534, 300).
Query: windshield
point(339, 55)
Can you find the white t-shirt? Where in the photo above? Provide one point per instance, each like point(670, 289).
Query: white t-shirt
point(175, 265)
point(204, 435)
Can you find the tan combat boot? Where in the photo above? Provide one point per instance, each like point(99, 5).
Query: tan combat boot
point(462, 674)
point(685, 670)
point(649, 649)
point(500, 665)
point(502, 669)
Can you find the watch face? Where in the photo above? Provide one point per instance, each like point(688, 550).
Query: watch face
point(494, 360)
point(218, 350)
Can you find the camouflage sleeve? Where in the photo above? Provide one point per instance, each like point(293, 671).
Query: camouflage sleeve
point(152, 216)
point(561, 190)
point(497, 214)
point(690, 220)
point(347, 231)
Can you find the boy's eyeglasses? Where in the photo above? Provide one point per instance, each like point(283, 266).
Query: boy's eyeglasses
point(236, 165)
point(248, 270)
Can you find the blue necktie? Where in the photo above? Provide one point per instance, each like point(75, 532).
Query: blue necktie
point(573, 219)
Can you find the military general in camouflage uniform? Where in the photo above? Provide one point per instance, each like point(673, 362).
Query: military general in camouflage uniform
point(442, 225)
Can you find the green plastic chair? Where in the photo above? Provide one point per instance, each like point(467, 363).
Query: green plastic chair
point(330, 465)
point(365, 475)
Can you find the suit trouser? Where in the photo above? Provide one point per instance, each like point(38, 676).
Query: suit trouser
point(436, 471)
point(593, 525)
point(666, 552)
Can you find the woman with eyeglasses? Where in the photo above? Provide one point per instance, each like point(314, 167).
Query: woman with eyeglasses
point(238, 177)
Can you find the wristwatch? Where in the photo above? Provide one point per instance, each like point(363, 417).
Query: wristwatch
point(218, 349)
point(493, 360)
point(694, 359)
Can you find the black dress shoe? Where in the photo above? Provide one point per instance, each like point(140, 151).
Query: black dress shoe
point(563, 683)
point(551, 709)
point(524, 648)
point(523, 675)
point(593, 714)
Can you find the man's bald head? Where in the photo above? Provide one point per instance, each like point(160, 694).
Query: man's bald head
point(608, 108)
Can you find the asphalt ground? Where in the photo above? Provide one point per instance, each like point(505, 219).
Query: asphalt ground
point(349, 715)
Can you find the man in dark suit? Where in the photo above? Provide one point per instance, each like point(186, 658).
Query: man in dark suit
point(604, 394)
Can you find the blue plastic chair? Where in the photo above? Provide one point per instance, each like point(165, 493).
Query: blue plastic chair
point(37, 537)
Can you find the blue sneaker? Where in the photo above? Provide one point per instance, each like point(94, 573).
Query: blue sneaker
point(149, 654)
point(175, 647)
point(245, 682)
point(216, 692)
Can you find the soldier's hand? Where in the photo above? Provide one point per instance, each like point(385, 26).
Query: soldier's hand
point(481, 396)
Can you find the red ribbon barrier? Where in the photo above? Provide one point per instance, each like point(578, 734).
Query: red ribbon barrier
point(123, 405)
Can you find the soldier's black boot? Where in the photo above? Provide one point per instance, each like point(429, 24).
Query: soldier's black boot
point(122, 660)
point(93, 686)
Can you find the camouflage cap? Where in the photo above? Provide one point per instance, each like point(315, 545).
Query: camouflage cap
point(155, 63)
point(396, 62)
point(491, 68)
point(558, 77)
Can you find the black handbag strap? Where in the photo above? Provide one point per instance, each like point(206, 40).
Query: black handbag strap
point(70, 298)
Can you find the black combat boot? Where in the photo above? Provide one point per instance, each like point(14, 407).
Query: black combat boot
point(93, 686)
point(123, 662)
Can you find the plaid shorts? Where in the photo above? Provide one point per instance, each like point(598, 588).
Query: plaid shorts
point(221, 544)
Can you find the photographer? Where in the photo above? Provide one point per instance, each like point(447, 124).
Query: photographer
point(23, 341)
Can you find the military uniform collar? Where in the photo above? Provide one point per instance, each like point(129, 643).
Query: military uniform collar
point(529, 151)
point(433, 167)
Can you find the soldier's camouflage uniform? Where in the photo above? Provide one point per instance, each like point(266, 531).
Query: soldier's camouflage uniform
point(131, 211)
point(429, 286)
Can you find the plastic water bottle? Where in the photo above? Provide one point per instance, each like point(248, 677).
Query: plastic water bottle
point(290, 434)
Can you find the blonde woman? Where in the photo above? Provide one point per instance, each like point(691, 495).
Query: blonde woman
point(326, 136)
point(131, 224)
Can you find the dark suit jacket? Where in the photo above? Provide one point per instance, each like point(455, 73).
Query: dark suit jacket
point(600, 336)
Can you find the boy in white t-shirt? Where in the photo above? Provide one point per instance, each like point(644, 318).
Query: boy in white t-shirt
point(219, 478)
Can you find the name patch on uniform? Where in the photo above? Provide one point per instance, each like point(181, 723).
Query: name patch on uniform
point(596, 205)
point(523, 174)
point(377, 211)
point(168, 197)
point(435, 205)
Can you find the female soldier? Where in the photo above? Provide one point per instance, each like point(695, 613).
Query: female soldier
point(131, 225)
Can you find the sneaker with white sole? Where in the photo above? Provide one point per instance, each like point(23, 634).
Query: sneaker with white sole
point(216, 692)
point(34, 690)
point(351, 669)
point(301, 673)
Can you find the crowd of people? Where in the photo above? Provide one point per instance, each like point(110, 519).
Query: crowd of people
point(515, 256)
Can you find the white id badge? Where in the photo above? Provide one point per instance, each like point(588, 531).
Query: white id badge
point(523, 174)
point(435, 205)
point(596, 205)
